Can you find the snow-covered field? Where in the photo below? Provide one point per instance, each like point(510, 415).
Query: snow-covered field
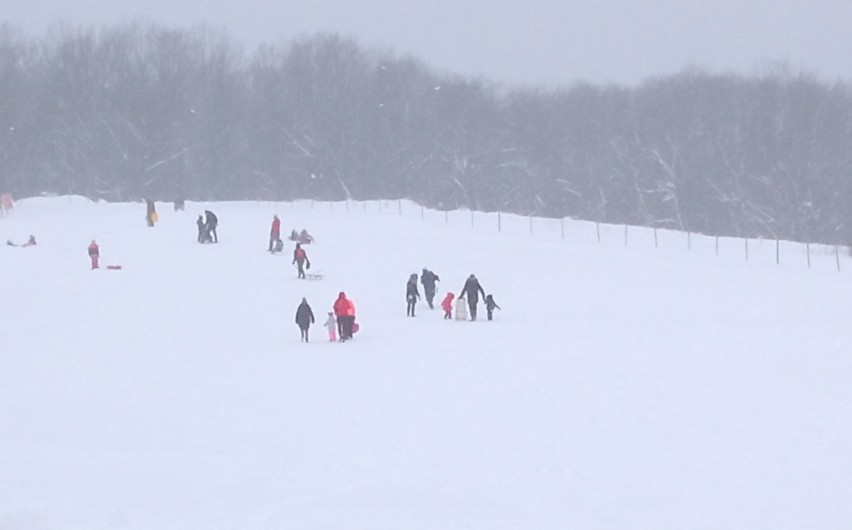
point(621, 387)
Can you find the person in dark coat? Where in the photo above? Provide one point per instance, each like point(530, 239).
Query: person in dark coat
point(428, 279)
point(203, 235)
point(304, 318)
point(471, 291)
point(411, 294)
point(300, 258)
point(490, 306)
point(211, 222)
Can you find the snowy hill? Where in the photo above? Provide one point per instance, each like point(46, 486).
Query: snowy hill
point(620, 386)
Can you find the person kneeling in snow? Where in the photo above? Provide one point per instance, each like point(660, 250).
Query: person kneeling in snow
point(31, 242)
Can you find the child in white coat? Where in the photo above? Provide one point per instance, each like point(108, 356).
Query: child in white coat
point(331, 326)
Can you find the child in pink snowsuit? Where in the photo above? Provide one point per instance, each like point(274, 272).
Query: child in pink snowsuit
point(331, 326)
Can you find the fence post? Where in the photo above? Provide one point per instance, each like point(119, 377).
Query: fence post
point(446, 217)
point(598, 228)
point(777, 252)
point(625, 235)
point(364, 204)
point(837, 257)
point(656, 244)
point(689, 241)
point(808, 252)
point(746, 248)
point(717, 245)
point(531, 230)
point(499, 223)
point(399, 202)
point(562, 223)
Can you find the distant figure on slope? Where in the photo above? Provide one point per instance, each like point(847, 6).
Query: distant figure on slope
point(300, 258)
point(331, 326)
point(180, 204)
point(490, 305)
point(447, 306)
point(471, 291)
point(411, 295)
point(203, 234)
point(211, 222)
point(304, 318)
point(428, 279)
point(151, 216)
point(461, 308)
point(94, 253)
point(275, 233)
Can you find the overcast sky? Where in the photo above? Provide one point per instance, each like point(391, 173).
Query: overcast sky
point(531, 42)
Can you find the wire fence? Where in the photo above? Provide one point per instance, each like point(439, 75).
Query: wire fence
point(779, 251)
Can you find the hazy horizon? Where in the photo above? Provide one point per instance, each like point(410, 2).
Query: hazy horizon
point(543, 43)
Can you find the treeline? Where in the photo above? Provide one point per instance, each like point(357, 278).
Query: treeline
point(146, 111)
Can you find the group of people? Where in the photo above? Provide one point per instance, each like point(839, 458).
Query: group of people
point(207, 227)
point(340, 324)
point(469, 294)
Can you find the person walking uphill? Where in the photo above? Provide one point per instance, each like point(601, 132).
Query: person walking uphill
point(274, 233)
point(428, 279)
point(211, 222)
point(94, 253)
point(471, 291)
point(300, 258)
point(304, 318)
point(411, 295)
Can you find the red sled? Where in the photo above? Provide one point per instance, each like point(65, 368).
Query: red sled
point(355, 327)
point(114, 267)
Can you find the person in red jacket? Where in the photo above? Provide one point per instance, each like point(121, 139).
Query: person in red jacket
point(344, 310)
point(94, 253)
point(447, 306)
point(300, 258)
point(274, 233)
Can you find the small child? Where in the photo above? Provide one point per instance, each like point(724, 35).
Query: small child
point(461, 308)
point(490, 304)
point(447, 306)
point(331, 326)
